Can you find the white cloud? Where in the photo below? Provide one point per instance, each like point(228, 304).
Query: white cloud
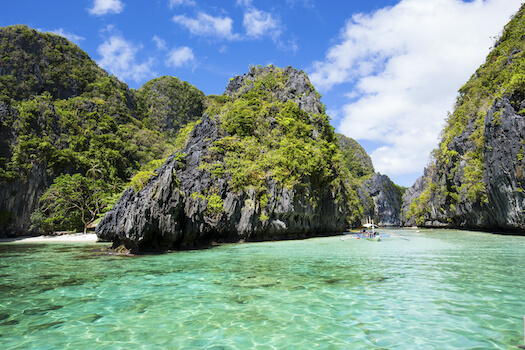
point(207, 25)
point(70, 36)
point(119, 58)
point(179, 57)
point(403, 66)
point(260, 23)
point(103, 7)
point(246, 3)
point(305, 3)
point(173, 3)
point(288, 45)
point(161, 43)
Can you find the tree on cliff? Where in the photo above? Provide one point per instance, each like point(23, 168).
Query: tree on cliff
point(71, 201)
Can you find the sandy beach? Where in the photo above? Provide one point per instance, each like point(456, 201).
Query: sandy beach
point(75, 237)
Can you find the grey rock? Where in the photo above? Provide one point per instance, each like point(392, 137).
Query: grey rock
point(297, 88)
point(18, 199)
point(387, 199)
point(504, 165)
point(503, 179)
point(410, 195)
point(165, 215)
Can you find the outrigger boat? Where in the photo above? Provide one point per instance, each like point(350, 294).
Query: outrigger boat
point(372, 236)
point(367, 231)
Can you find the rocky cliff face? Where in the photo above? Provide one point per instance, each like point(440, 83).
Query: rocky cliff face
point(502, 203)
point(379, 197)
point(387, 199)
point(476, 178)
point(504, 165)
point(19, 199)
point(196, 197)
point(410, 198)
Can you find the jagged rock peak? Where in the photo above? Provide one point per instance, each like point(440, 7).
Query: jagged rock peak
point(284, 83)
point(387, 198)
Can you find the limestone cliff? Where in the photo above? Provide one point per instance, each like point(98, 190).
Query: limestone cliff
point(476, 178)
point(33, 63)
point(387, 199)
point(379, 197)
point(259, 166)
point(263, 163)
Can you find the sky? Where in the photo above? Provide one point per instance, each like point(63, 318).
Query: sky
point(388, 70)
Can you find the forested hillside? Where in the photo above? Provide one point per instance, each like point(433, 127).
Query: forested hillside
point(380, 198)
point(62, 115)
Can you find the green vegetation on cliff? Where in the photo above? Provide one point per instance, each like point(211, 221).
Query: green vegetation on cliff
point(456, 176)
point(32, 63)
point(267, 138)
point(270, 138)
point(167, 104)
point(263, 163)
point(355, 158)
point(58, 108)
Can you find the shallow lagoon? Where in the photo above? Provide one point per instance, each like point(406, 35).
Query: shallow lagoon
point(440, 290)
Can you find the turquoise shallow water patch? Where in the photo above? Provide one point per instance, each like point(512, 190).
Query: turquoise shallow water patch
point(440, 290)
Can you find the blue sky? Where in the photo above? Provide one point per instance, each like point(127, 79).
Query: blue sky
point(388, 70)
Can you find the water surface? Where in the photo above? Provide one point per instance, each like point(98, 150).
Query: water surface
point(439, 290)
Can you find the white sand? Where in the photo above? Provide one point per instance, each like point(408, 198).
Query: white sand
point(76, 237)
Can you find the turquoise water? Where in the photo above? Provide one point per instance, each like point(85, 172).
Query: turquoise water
point(440, 290)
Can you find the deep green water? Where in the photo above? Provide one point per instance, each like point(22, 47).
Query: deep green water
point(440, 290)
